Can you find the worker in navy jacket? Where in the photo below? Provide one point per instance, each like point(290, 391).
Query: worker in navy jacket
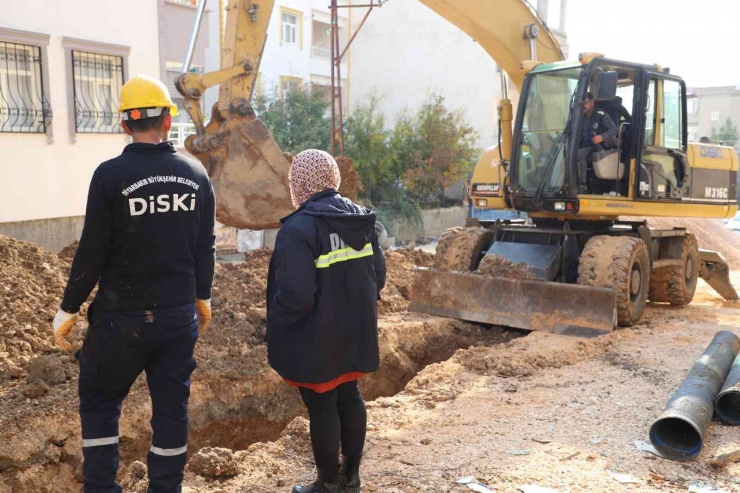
point(324, 281)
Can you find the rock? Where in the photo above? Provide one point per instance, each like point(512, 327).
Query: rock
point(14, 371)
point(214, 463)
point(47, 368)
point(35, 389)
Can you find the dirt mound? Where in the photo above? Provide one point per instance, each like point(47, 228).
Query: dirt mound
point(710, 233)
point(400, 278)
point(497, 266)
point(538, 351)
point(31, 287)
point(214, 463)
point(68, 253)
point(351, 184)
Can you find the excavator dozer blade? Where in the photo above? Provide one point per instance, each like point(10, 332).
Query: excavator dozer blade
point(251, 185)
point(713, 268)
point(567, 309)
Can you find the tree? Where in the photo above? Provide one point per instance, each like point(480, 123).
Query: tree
point(727, 134)
point(298, 120)
point(367, 143)
point(435, 148)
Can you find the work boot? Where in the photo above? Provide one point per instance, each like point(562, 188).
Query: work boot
point(350, 477)
point(327, 482)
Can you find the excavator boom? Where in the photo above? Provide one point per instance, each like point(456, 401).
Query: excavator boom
point(510, 31)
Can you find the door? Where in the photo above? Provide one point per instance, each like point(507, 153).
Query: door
point(663, 168)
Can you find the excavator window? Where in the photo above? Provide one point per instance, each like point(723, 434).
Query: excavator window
point(606, 166)
point(542, 144)
point(660, 176)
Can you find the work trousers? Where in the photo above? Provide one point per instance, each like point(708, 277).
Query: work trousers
point(117, 348)
point(337, 416)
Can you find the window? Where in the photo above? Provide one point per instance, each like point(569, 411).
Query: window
point(288, 84)
point(290, 28)
point(672, 116)
point(97, 81)
point(23, 103)
point(715, 116)
point(95, 73)
point(650, 114)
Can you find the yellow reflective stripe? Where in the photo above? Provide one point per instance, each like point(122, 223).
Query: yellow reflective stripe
point(343, 255)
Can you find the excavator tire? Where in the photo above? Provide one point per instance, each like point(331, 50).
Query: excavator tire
point(461, 249)
point(676, 284)
point(620, 263)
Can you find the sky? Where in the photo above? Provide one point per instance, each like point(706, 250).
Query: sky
point(697, 39)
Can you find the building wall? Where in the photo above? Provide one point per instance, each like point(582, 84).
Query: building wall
point(406, 51)
point(712, 107)
point(45, 180)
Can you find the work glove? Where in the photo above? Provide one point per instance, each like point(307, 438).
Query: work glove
point(203, 308)
point(63, 323)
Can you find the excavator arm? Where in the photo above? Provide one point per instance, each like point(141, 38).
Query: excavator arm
point(248, 169)
point(510, 31)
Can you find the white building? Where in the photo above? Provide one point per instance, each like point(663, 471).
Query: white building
point(62, 65)
point(298, 48)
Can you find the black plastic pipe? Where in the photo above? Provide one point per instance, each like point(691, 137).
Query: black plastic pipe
point(678, 433)
point(727, 403)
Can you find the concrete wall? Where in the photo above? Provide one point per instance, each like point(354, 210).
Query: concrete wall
point(51, 234)
point(43, 180)
point(435, 221)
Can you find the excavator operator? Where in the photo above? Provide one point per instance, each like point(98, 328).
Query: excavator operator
point(598, 130)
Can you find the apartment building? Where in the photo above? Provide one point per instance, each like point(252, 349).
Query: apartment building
point(708, 109)
point(62, 65)
point(298, 49)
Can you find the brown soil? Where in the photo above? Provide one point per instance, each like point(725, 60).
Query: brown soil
point(351, 185)
point(399, 279)
point(236, 398)
point(68, 253)
point(543, 410)
point(497, 266)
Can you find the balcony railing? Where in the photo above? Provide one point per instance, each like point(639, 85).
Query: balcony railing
point(319, 52)
point(180, 132)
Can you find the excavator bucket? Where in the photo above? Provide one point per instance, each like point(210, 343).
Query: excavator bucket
point(251, 185)
point(567, 309)
point(714, 270)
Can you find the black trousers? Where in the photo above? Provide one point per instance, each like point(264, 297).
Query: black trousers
point(117, 348)
point(337, 417)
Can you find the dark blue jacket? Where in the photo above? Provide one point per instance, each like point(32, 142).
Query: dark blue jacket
point(324, 281)
point(149, 239)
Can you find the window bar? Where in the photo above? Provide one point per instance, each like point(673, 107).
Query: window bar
point(106, 105)
point(88, 108)
point(22, 111)
point(46, 113)
point(30, 71)
point(100, 122)
point(91, 114)
point(4, 105)
point(14, 109)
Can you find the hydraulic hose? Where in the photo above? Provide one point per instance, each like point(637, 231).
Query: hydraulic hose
point(727, 404)
point(678, 433)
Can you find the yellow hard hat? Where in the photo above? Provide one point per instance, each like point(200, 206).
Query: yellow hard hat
point(143, 91)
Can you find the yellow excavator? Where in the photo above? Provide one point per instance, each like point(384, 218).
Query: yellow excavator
point(587, 270)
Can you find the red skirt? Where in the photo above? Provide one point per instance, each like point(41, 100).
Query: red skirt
point(320, 388)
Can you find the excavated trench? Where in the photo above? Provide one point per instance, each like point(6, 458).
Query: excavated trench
point(236, 398)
